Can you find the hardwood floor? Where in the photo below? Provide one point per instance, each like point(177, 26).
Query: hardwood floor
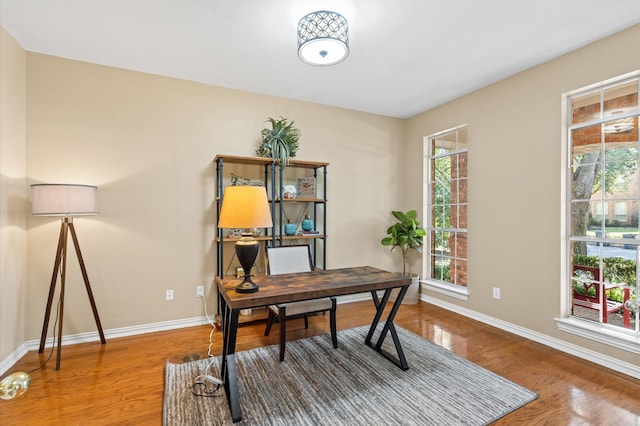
point(122, 382)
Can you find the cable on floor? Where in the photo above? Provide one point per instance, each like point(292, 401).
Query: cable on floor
point(205, 384)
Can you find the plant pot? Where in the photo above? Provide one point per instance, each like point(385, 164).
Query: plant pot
point(412, 296)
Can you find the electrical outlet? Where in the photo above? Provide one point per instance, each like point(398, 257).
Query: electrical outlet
point(169, 295)
point(200, 291)
point(496, 293)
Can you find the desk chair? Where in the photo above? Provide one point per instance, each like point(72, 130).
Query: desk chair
point(291, 259)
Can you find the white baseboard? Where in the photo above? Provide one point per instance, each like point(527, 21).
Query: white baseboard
point(575, 350)
point(33, 345)
point(14, 357)
point(580, 352)
point(73, 339)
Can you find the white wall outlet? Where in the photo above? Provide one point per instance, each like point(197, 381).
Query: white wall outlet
point(169, 295)
point(496, 293)
point(200, 291)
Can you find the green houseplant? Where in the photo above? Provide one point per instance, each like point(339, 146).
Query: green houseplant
point(280, 142)
point(406, 235)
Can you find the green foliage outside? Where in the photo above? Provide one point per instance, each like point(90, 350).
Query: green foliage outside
point(441, 272)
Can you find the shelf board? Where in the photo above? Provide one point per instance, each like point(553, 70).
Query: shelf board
point(262, 161)
point(302, 200)
point(257, 315)
point(302, 236)
point(235, 239)
point(306, 164)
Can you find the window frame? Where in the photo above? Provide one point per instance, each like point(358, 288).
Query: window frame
point(438, 286)
point(616, 336)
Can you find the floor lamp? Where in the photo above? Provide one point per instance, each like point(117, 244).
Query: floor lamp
point(67, 201)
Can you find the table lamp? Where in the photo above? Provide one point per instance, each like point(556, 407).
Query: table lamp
point(66, 201)
point(245, 207)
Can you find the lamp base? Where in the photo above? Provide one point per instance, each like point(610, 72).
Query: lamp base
point(247, 251)
point(247, 287)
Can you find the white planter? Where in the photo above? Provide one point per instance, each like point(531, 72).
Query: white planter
point(412, 296)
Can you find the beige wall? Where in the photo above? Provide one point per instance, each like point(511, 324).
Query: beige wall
point(13, 197)
point(514, 182)
point(148, 143)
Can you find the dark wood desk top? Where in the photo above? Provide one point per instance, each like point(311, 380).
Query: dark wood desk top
point(285, 288)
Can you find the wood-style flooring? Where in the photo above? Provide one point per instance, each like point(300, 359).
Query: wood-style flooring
point(121, 383)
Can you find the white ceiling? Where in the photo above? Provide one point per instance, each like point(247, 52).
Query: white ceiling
point(407, 56)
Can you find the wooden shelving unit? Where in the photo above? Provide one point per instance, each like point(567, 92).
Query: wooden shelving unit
point(274, 177)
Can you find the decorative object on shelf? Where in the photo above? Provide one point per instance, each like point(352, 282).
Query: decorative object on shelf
point(307, 223)
point(407, 235)
point(290, 228)
point(307, 187)
point(323, 38)
point(15, 384)
point(289, 192)
point(236, 180)
point(66, 201)
point(281, 142)
point(246, 207)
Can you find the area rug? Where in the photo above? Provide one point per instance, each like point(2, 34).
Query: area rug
point(351, 385)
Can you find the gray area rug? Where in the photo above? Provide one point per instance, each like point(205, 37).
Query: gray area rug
point(354, 385)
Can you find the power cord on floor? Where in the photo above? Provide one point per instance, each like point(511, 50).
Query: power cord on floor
point(53, 345)
point(206, 384)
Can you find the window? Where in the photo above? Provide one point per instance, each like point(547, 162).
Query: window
point(446, 211)
point(621, 212)
point(602, 212)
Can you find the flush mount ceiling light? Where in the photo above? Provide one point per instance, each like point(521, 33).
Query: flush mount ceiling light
point(323, 38)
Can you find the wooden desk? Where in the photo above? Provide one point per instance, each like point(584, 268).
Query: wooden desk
point(305, 286)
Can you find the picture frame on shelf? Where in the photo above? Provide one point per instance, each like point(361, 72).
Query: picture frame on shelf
point(307, 187)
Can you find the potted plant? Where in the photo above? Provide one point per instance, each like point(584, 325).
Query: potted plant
point(406, 235)
point(280, 142)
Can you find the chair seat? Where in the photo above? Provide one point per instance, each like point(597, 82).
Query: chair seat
point(304, 307)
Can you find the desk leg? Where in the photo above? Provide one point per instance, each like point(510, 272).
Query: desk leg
point(228, 367)
point(389, 326)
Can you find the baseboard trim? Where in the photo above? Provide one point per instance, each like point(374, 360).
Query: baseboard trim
point(121, 332)
point(569, 348)
point(33, 345)
point(589, 355)
point(14, 357)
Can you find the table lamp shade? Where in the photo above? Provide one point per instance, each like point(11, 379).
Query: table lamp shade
point(64, 199)
point(245, 207)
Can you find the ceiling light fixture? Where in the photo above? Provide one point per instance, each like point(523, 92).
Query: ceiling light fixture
point(323, 38)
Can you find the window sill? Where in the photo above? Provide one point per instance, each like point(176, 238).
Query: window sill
point(451, 290)
point(603, 333)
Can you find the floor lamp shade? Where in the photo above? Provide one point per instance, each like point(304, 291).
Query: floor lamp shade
point(64, 199)
point(245, 207)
